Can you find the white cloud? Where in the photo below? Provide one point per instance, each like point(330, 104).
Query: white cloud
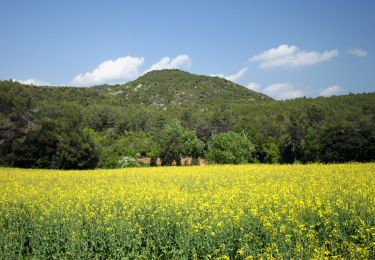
point(176, 63)
point(357, 52)
point(286, 56)
point(110, 71)
point(282, 91)
point(253, 86)
point(238, 75)
point(234, 77)
point(35, 82)
point(333, 90)
point(119, 70)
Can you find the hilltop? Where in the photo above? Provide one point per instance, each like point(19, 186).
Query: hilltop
point(179, 89)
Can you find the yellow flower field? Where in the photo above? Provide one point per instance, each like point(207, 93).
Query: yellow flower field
point(280, 211)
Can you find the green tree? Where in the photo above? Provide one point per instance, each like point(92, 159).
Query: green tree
point(367, 131)
point(153, 150)
point(311, 151)
point(77, 151)
point(292, 141)
point(177, 141)
point(56, 140)
point(230, 148)
point(192, 147)
point(37, 148)
point(341, 143)
point(271, 151)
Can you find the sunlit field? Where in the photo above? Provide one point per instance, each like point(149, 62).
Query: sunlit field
point(189, 212)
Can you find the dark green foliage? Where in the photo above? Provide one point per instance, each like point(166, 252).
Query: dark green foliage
point(343, 143)
point(367, 131)
point(128, 120)
point(50, 136)
point(292, 141)
point(16, 117)
point(230, 148)
point(76, 152)
point(47, 147)
point(37, 149)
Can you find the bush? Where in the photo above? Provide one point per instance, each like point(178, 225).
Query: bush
point(129, 161)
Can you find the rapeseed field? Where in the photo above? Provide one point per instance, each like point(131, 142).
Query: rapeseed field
point(223, 212)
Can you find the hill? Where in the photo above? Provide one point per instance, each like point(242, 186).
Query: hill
point(178, 89)
point(111, 121)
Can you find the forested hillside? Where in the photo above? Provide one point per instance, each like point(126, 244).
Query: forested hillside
point(170, 114)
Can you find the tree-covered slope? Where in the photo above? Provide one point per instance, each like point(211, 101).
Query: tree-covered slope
point(101, 124)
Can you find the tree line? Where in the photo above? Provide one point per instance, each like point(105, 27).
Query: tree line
point(40, 130)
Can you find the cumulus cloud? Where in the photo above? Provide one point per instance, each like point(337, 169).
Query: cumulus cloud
point(357, 52)
point(286, 56)
point(119, 70)
point(167, 63)
point(253, 86)
point(238, 75)
point(35, 82)
point(110, 71)
point(333, 90)
point(282, 91)
point(234, 77)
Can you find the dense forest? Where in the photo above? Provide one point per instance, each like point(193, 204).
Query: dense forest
point(171, 114)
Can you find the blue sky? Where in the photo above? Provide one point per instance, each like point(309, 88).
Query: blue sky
point(285, 49)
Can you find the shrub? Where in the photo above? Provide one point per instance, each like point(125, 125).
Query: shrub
point(128, 161)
